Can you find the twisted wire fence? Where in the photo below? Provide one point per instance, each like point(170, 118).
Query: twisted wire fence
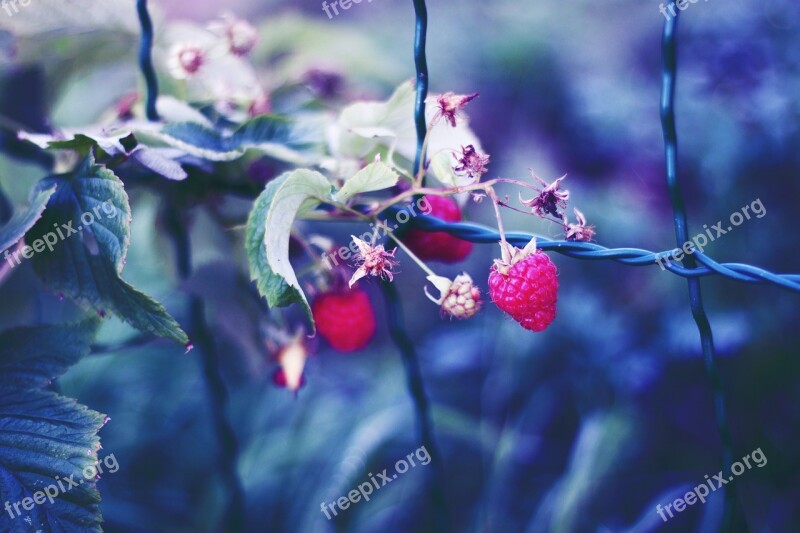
point(694, 267)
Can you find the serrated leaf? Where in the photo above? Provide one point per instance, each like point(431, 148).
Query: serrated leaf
point(199, 141)
point(374, 177)
point(16, 228)
point(44, 436)
point(273, 287)
point(286, 197)
point(81, 141)
point(153, 159)
point(85, 263)
point(277, 137)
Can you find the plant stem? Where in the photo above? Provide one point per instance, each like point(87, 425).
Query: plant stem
point(416, 259)
point(416, 387)
point(228, 453)
point(496, 205)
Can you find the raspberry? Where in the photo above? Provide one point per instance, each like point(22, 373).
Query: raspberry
point(524, 284)
point(463, 299)
point(439, 246)
point(345, 319)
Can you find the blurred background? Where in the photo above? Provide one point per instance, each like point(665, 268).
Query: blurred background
point(586, 427)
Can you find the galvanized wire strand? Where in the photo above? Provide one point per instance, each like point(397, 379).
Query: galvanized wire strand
point(146, 60)
point(595, 252)
point(669, 51)
point(421, 64)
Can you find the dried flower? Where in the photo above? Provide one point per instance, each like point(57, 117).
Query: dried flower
point(185, 60)
point(240, 35)
point(579, 231)
point(449, 104)
point(550, 200)
point(373, 261)
point(459, 298)
point(472, 163)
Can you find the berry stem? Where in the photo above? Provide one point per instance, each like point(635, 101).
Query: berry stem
point(416, 259)
point(234, 516)
point(496, 203)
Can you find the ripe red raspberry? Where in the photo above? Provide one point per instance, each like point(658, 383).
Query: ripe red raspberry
point(439, 246)
point(524, 284)
point(345, 319)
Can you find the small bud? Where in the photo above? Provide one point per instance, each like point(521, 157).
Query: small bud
point(459, 298)
point(292, 361)
point(240, 35)
point(185, 60)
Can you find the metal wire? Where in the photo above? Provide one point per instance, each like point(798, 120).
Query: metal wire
point(669, 51)
point(146, 60)
point(594, 252)
point(421, 64)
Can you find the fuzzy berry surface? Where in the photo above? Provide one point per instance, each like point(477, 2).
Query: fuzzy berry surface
point(439, 246)
point(528, 292)
point(345, 319)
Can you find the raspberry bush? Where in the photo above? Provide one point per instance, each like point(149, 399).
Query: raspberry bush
point(189, 244)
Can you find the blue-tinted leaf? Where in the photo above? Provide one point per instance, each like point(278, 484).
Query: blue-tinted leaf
point(86, 263)
point(43, 436)
point(23, 221)
point(268, 231)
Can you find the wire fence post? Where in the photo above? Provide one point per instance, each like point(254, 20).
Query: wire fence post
point(146, 60)
point(669, 49)
point(421, 64)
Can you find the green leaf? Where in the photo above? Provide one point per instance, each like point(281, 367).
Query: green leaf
point(199, 141)
point(363, 126)
point(374, 177)
point(44, 436)
point(82, 141)
point(274, 136)
point(79, 247)
point(16, 228)
point(269, 228)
